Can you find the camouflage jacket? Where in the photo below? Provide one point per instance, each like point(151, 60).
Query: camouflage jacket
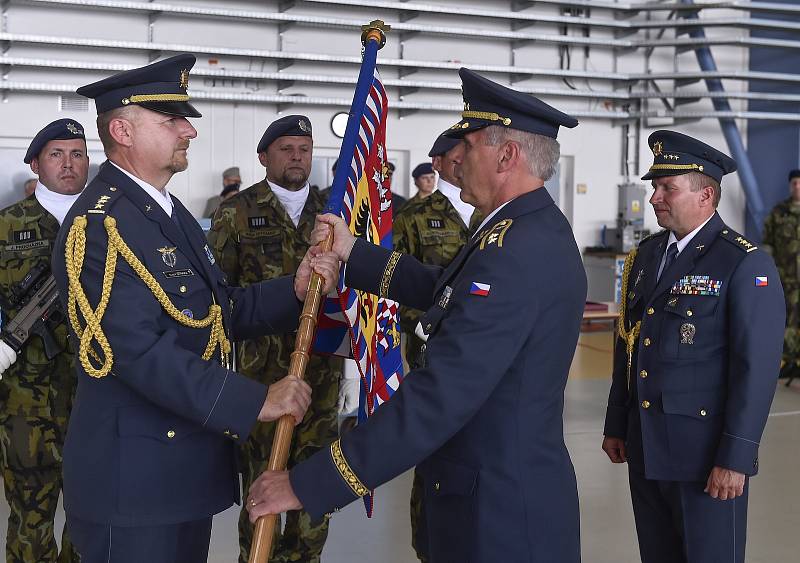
point(782, 240)
point(432, 231)
point(34, 385)
point(254, 239)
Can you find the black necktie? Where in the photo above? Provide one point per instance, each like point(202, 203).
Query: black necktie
point(672, 254)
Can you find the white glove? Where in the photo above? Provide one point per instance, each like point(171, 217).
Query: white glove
point(349, 390)
point(7, 357)
point(420, 333)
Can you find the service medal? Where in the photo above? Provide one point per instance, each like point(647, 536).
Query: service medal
point(687, 333)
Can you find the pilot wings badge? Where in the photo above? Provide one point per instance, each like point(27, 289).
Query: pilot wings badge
point(168, 256)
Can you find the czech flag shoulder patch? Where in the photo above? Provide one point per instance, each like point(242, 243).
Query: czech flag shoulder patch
point(762, 281)
point(481, 289)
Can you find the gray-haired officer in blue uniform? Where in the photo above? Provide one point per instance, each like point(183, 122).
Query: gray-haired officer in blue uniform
point(482, 420)
point(695, 364)
point(149, 454)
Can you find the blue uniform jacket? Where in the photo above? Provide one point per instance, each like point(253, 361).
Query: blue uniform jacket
point(483, 419)
point(704, 367)
point(153, 442)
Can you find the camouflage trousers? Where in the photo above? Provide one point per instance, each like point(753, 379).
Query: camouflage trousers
point(419, 526)
point(791, 340)
point(300, 540)
point(31, 457)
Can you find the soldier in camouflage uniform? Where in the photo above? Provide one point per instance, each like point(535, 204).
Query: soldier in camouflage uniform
point(38, 392)
point(782, 240)
point(425, 182)
point(262, 233)
point(433, 230)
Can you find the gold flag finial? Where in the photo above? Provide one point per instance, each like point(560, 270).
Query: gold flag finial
point(376, 30)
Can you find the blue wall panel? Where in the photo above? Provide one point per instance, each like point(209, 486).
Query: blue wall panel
point(773, 146)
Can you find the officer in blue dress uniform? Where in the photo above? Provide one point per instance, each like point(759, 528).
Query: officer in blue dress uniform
point(695, 364)
point(149, 454)
point(482, 420)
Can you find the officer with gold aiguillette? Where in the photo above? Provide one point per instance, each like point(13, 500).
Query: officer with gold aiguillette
point(150, 452)
point(695, 364)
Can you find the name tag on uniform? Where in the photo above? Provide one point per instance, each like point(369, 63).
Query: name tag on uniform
point(27, 245)
point(178, 273)
point(696, 285)
point(435, 223)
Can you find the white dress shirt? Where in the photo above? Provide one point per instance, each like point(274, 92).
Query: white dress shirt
point(161, 197)
point(683, 243)
point(453, 195)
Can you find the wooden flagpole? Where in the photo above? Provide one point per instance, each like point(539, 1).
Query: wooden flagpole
point(261, 548)
point(265, 526)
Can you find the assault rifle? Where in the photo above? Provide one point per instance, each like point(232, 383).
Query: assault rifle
point(38, 311)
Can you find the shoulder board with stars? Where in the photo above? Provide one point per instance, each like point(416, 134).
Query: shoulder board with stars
point(737, 240)
point(105, 200)
point(494, 235)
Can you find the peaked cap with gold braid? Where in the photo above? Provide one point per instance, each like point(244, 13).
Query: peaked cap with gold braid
point(489, 103)
point(675, 154)
point(161, 86)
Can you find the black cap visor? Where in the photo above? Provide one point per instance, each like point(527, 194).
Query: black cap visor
point(661, 173)
point(465, 126)
point(180, 109)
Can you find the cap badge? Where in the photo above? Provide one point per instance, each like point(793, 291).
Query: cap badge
point(304, 127)
point(658, 148)
point(72, 128)
point(184, 83)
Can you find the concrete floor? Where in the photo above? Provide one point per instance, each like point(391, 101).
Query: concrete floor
point(607, 526)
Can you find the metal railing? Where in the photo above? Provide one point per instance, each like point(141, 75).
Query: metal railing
point(622, 91)
point(284, 77)
point(451, 31)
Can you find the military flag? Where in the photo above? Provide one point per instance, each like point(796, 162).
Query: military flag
point(357, 324)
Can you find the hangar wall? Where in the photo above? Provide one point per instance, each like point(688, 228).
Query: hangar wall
point(52, 46)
